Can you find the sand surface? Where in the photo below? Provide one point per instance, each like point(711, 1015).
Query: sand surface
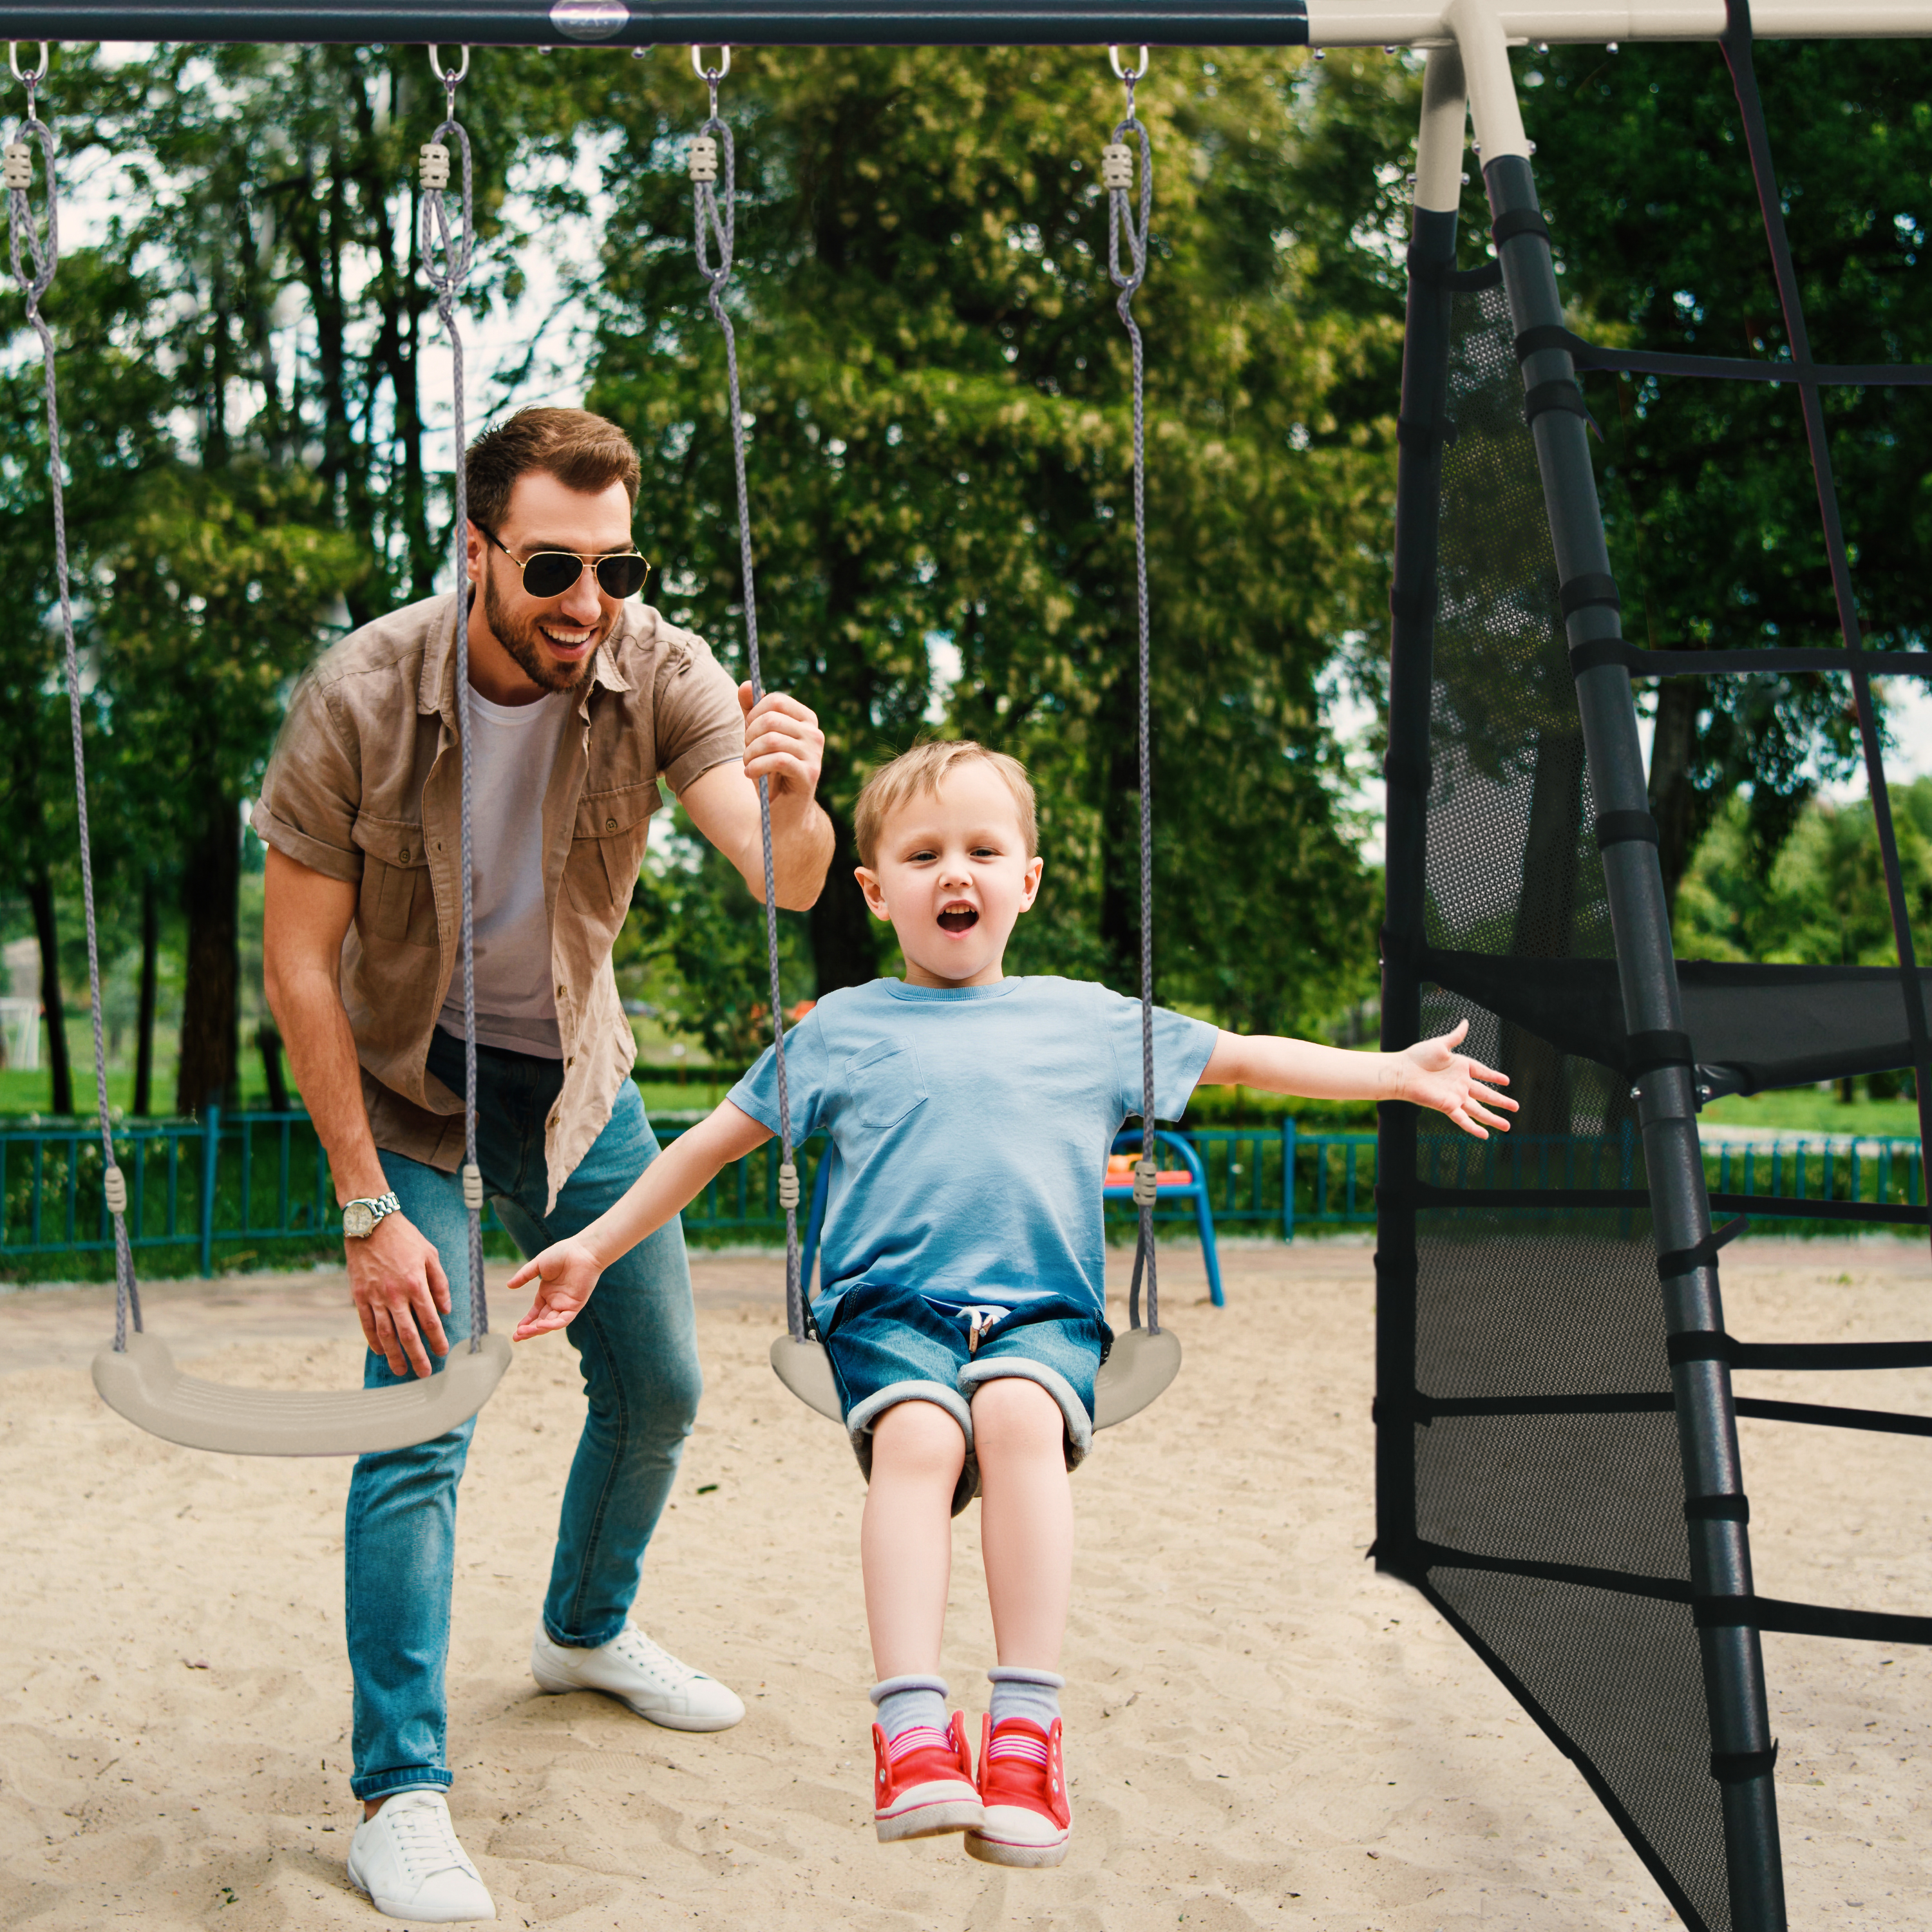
point(1262, 1733)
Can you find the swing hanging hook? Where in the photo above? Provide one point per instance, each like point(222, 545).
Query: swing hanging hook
point(1128, 75)
point(711, 76)
point(32, 79)
point(451, 78)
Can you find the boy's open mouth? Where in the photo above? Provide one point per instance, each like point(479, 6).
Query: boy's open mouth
point(959, 919)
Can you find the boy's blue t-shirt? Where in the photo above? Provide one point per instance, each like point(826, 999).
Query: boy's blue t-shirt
point(971, 1129)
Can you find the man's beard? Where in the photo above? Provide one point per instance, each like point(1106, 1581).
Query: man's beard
point(524, 642)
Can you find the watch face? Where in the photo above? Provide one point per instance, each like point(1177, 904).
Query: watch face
point(358, 1220)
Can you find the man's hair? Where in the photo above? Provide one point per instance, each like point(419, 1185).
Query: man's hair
point(582, 451)
point(921, 769)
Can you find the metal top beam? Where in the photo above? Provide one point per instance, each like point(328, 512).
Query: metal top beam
point(635, 23)
point(617, 23)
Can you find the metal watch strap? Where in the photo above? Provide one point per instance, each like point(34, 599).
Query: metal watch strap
point(379, 1206)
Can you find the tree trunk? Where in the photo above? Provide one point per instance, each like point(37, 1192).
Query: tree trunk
point(40, 899)
point(210, 888)
point(1674, 801)
point(144, 1026)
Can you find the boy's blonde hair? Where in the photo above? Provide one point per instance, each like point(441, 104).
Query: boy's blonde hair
point(921, 769)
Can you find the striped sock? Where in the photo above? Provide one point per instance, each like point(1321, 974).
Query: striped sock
point(1020, 1693)
point(906, 1704)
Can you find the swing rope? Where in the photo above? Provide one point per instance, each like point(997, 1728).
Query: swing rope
point(715, 234)
point(447, 251)
point(1128, 224)
point(29, 244)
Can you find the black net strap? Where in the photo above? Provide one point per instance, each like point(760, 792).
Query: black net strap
point(1721, 368)
point(1640, 663)
point(1747, 1610)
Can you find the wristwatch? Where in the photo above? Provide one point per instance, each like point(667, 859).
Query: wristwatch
point(359, 1217)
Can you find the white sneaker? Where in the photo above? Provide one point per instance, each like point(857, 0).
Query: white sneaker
point(407, 1859)
point(639, 1673)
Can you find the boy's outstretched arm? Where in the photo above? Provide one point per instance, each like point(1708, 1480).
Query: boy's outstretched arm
point(567, 1271)
point(1430, 1074)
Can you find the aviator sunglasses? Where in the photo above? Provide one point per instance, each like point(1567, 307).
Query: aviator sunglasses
point(550, 573)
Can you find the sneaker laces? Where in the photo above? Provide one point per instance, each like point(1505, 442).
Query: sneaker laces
point(635, 1648)
point(425, 1840)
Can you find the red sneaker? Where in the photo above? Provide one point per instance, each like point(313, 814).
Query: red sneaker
point(1023, 1786)
point(923, 1784)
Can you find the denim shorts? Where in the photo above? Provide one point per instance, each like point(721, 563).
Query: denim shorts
point(894, 1345)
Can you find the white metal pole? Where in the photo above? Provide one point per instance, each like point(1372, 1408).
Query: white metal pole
point(1423, 23)
point(1438, 140)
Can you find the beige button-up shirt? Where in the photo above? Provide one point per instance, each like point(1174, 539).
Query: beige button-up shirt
point(364, 785)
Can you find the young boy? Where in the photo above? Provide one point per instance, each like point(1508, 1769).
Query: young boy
point(964, 1259)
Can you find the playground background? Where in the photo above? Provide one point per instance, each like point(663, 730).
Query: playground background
point(937, 382)
point(1263, 1732)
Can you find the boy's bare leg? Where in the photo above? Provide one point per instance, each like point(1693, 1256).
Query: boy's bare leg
point(1026, 1518)
point(905, 1542)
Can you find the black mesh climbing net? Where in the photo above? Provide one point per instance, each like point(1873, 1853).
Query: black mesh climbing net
point(1534, 1428)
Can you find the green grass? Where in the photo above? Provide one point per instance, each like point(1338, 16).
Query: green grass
point(1805, 1110)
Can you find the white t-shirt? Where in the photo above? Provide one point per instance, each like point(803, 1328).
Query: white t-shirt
point(512, 748)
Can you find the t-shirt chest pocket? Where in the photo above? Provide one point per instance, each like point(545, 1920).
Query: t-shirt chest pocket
point(883, 1085)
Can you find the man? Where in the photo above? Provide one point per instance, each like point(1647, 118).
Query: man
point(580, 700)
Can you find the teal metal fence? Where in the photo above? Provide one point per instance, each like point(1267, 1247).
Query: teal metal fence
point(227, 1179)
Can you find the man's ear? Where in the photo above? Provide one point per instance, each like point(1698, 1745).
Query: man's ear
point(868, 884)
point(473, 549)
point(1035, 868)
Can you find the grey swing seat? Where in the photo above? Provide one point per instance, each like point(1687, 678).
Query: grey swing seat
point(1137, 1370)
point(135, 1373)
point(141, 1383)
point(1139, 1367)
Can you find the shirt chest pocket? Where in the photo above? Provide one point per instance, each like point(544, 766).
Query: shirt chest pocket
point(883, 1085)
point(397, 901)
point(606, 845)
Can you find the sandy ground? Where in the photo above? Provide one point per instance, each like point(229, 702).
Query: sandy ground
point(1262, 1733)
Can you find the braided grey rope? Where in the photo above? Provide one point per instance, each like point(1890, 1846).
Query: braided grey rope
point(1125, 224)
point(457, 247)
point(717, 228)
point(25, 236)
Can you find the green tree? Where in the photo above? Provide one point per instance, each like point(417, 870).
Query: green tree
point(940, 444)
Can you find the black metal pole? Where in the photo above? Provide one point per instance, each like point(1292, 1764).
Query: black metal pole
point(1719, 1549)
point(634, 23)
point(1425, 387)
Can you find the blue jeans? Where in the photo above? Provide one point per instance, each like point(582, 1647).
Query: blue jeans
point(637, 1348)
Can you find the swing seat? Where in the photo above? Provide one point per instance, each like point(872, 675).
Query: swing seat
point(142, 1384)
point(1139, 1367)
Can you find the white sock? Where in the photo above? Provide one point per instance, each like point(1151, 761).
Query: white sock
point(909, 1703)
point(1019, 1692)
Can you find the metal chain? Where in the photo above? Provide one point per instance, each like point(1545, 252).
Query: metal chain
point(28, 244)
point(1126, 223)
point(715, 218)
point(448, 251)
